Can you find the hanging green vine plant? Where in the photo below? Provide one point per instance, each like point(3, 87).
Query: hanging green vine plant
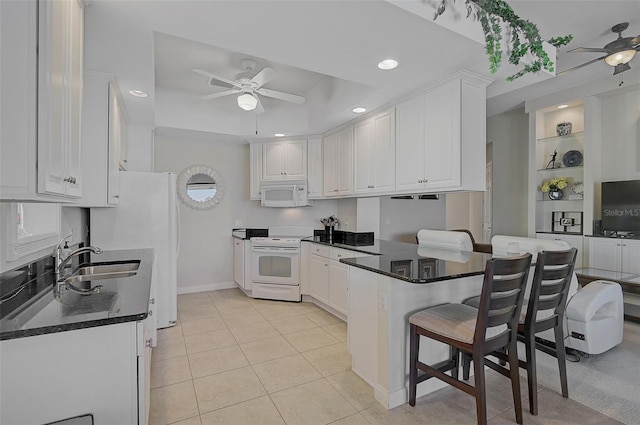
point(524, 34)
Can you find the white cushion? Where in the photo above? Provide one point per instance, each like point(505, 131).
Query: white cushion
point(445, 239)
point(500, 245)
point(455, 321)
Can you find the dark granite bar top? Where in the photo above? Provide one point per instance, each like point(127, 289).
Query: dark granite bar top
point(120, 300)
point(412, 263)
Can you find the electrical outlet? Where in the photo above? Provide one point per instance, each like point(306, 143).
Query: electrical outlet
point(383, 301)
point(387, 221)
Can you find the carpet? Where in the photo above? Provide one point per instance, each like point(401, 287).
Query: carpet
point(607, 382)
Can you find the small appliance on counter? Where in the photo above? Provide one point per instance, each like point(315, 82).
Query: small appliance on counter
point(245, 233)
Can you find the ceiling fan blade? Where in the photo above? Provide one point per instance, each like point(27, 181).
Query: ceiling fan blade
point(580, 66)
point(263, 77)
point(259, 108)
point(216, 77)
point(587, 49)
point(219, 94)
point(281, 95)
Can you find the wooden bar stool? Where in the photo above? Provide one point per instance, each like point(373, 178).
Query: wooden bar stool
point(543, 310)
point(476, 332)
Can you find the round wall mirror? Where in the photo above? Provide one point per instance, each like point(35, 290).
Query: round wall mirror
point(200, 187)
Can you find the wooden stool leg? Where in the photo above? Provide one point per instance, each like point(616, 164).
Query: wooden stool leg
point(466, 366)
point(455, 356)
point(515, 379)
point(532, 380)
point(481, 396)
point(414, 349)
point(562, 361)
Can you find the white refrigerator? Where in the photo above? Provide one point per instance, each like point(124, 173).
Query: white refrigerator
point(146, 217)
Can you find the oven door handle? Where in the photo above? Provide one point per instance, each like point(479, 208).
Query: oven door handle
point(274, 249)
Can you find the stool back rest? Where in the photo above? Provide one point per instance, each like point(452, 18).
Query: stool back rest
point(501, 299)
point(500, 244)
point(550, 287)
point(444, 239)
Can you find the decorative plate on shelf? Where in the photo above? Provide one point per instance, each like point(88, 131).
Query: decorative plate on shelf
point(578, 189)
point(572, 159)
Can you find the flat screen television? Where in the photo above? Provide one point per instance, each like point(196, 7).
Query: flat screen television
point(621, 206)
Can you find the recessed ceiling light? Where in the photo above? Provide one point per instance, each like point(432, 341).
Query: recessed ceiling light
point(279, 135)
point(562, 106)
point(388, 64)
point(138, 93)
point(359, 110)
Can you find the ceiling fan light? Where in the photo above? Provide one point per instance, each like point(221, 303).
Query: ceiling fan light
point(247, 101)
point(621, 68)
point(620, 57)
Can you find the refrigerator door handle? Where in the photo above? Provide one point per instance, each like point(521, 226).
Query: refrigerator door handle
point(177, 229)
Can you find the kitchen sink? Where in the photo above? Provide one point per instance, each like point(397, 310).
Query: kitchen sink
point(107, 268)
point(97, 276)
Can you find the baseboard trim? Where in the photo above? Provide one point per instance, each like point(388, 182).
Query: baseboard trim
point(204, 288)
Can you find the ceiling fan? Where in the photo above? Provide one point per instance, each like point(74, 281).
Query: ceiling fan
point(618, 53)
point(249, 86)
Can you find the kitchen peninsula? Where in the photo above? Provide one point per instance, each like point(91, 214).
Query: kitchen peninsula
point(384, 290)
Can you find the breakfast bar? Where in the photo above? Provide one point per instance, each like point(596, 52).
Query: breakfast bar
point(384, 290)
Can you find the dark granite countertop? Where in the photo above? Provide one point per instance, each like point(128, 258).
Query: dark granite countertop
point(411, 263)
point(120, 300)
point(636, 237)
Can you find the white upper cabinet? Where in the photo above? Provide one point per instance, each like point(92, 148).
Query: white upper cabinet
point(286, 160)
point(42, 47)
point(441, 138)
point(374, 154)
point(60, 58)
point(255, 165)
point(338, 163)
point(104, 128)
point(314, 168)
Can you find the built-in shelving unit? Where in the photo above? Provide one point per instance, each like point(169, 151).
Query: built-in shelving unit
point(559, 219)
point(549, 163)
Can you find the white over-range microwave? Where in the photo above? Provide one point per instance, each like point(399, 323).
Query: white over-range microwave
point(285, 195)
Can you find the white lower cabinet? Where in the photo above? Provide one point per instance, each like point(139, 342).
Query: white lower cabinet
point(104, 370)
point(575, 241)
point(621, 255)
point(328, 277)
point(319, 278)
point(242, 263)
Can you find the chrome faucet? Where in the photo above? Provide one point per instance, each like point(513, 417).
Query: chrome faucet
point(60, 264)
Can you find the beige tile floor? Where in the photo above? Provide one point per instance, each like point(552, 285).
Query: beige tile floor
point(232, 360)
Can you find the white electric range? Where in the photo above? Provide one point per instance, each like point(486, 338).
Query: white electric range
point(275, 263)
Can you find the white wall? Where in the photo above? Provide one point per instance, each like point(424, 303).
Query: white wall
point(206, 254)
point(620, 153)
point(464, 211)
point(400, 219)
point(139, 153)
point(509, 135)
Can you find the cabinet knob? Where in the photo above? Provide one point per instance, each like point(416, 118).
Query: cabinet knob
point(116, 196)
point(150, 312)
point(335, 190)
point(152, 301)
point(147, 343)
